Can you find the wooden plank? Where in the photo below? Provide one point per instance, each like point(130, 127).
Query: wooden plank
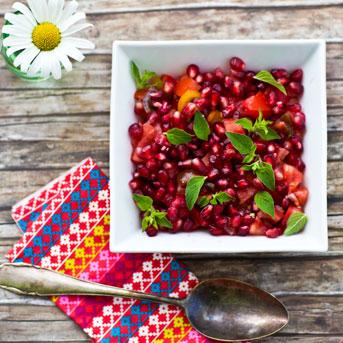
point(95, 72)
point(108, 6)
point(311, 22)
point(308, 315)
point(42, 331)
point(95, 100)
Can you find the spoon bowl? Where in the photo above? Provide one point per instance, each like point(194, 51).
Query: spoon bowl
point(221, 309)
point(231, 310)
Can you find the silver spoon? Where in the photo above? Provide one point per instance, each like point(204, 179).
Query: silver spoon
point(221, 309)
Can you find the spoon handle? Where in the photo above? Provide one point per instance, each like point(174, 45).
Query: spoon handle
point(23, 278)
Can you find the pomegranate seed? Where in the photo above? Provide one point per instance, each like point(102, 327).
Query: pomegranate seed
point(237, 88)
point(299, 119)
point(135, 131)
point(139, 109)
point(229, 110)
point(242, 184)
point(279, 73)
point(238, 74)
point(192, 70)
point(163, 177)
point(209, 77)
point(294, 107)
point(152, 165)
point(215, 231)
point(199, 79)
point(199, 166)
point(188, 225)
point(271, 147)
point(217, 87)
point(135, 184)
point(206, 212)
point(243, 230)
point(218, 209)
point(271, 98)
point(189, 110)
point(297, 75)
point(222, 183)
point(236, 221)
point(161, 157)
point(142, 171)
point(171, 187)
point(177, 226)
point(285, 203)
point(214, 99)
point(201, 104)
point(153, 118)
point(160, 193)
point(219, 129)
point(224, 102)
point(216, 149)
point(168, 87)
point(296, 143)
point(237, 64)
point(295, 88)
point(273, 233)
point(218, 73)
point(151, 231)
point(228, 82)
point(213, 174)
point(176, 118)
point(257, 183)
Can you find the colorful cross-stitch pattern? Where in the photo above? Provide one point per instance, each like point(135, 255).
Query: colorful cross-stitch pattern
point(66, 228)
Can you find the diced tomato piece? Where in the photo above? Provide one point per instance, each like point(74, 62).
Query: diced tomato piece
point(257, 228)
point(246, 194)
point(288, 213)
point(149, 133)
point(186, 83)
point(273, 233)
point(299, 196)
point(232, 126)
point(293, 176)
point(187, 97)
point(281, 154)
point(253, 104)
point(140, 94)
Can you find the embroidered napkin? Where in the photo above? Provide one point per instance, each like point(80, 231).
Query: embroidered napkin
point(66, 228)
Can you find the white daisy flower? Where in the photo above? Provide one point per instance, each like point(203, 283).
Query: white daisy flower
point(40, 35)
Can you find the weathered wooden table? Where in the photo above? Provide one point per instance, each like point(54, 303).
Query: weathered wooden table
point(47, 128)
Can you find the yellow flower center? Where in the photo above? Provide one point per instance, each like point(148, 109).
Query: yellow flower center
point(46, 36)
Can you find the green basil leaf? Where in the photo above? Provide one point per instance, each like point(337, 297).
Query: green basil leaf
point(204, 200)
point(242, 143)
point(222, 197)
point(295, 223)
point(201, 127)
point(213, 201)
point(250, 156)
point(147, 76)
point(245, 123)
point(265, 174)
point(135, 74)
point(145, 223)
point(193, 189)
point(163, 221)
point(265, 202)
point(268, 135)
point(267, 77)
point(177, 136)
point(143, 202)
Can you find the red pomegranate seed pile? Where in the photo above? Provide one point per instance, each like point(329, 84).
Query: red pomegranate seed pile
point(162, 170)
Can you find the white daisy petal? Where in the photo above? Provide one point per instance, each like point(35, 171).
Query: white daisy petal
point(55, 8)
point(80, 43)
point(35, 67)
point(14, 41)
point(76, 28)
point(71, 51)
point(25, 55)
point(32, 53)
point(63, 58)
point(71, 21)
point(55, 67)
point(45, 63)
point(26, 12)
point(69, 9)
point(39, 9)
point(16, 31)
point(19, 20)
point(16, 48)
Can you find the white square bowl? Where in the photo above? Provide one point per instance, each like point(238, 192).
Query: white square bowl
point(172, 57)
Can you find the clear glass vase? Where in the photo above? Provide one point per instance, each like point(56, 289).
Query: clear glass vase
point(9, 64)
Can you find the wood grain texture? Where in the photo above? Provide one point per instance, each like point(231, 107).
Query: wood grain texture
point(46, 128)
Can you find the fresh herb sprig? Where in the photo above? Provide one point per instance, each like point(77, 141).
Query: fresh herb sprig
point(200, 127)
point(243, 144)
point(152, 217)
point(260, 127)
point(295, 223)
point(214, 199)
point(264, 172)
point(267, 77)
point(146, 79)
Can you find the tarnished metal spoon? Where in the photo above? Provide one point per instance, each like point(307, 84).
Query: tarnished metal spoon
point(221, 309)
